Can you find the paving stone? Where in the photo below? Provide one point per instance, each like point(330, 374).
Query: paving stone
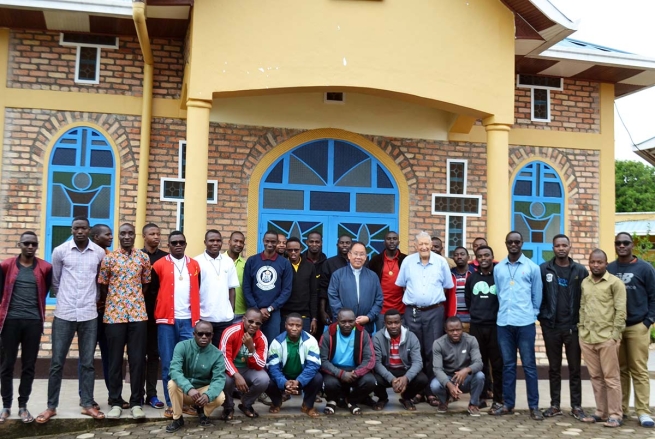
point(85, 436)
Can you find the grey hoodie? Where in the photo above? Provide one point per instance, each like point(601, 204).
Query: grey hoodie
point(409, 350)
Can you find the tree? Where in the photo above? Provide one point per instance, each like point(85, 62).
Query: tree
point(635, 186)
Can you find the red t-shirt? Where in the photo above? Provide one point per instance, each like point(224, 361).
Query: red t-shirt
point(392, 293)
point(394, 354)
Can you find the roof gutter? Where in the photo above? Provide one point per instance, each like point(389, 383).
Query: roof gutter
point(139, 16)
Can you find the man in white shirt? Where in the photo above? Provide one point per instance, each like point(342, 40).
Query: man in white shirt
point(217, 289)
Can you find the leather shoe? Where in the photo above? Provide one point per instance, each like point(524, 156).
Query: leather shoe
point(536, 415)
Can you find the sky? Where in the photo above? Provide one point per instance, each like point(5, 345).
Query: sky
point(625, 25)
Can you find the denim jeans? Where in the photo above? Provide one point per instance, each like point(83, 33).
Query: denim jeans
point(104, 354)
point(511, 338)
point(271, 328)
point(62, 337)
point(473, 384)
point(167, 337)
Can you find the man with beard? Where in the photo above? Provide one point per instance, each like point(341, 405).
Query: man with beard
point(235, 247)
point(329, 267)
point(387, 266)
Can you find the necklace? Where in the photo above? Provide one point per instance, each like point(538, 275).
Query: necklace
point(389, 267)
point(211, 261)
point(511, 275)
point(180, 270)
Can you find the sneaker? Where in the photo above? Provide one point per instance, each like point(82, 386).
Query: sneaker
point(137, 412)
point(203, 419)
point(115, 412)
point(175, 425)
point(646, 421)
point(474, 410)
point(264, 399)
point(155, 403)
point(580, 415)
point(442, 407)
point(552, 411)
point(502, 410)
point(535, 415)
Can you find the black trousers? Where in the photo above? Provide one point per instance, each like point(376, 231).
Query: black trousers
point(415, 386)
point(135, 336)
point(218, 331)
point(27, 334)
point(309, 392)
point(152, 360)
point(487, 338)
point(554, 339)
point(353, 392)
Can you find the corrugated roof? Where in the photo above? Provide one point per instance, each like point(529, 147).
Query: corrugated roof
point(641, 227)
point(578, 44)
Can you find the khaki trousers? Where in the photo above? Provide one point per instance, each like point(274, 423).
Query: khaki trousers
point(633, 358)
point(178, 399)
point(602, 360)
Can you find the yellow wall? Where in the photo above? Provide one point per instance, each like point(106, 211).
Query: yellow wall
point(359, 113)
point(458, 53)
point(634, 216)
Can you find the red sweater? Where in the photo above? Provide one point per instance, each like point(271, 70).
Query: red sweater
point(231, 342)
point(165, 305)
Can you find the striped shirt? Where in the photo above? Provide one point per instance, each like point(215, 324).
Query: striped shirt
point(74, 274)
point(395, 362)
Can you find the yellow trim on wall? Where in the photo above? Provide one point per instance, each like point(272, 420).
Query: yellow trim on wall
point(528, 137)
point(325, 133)
point(4, 60)
point(46, 168)
point(606, 192)
point(561, 176)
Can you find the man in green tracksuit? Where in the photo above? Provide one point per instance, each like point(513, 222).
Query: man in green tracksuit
point(197, 376)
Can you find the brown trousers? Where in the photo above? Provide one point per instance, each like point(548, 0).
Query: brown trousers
point(602, 360)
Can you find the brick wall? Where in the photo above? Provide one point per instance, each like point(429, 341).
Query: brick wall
point(576, 108)
point(37, 61)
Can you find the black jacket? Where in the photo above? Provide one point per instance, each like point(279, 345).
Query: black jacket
point(303, 292)
point(377, 262)
point(548, 309)
point(329, 266)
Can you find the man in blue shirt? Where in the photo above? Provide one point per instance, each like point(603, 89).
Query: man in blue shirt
point(519, 286)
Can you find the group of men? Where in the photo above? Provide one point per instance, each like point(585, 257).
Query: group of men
point(283, 323)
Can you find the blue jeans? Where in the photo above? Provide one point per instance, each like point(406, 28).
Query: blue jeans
point(473, 384)
point(511, 338)
point(271, 328)
point(167, 337)
point(104, 355)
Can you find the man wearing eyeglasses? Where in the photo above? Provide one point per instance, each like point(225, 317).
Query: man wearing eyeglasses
point(639, 279)
point(245, 348)
point(519, 288)
point(22, 312)
point(197, 377)
point(178, 304)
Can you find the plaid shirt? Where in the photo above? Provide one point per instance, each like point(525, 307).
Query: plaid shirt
point(74, 275)
point(125, 273)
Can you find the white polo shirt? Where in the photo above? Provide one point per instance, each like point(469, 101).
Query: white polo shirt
point(217, 276)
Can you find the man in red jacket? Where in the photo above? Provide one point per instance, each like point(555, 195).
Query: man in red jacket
point(22, 305)
point(245, 350)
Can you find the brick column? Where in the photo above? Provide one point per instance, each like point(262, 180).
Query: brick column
point(498, 197)
point(195, 186)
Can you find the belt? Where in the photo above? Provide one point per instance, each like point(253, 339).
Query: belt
point(427, 308)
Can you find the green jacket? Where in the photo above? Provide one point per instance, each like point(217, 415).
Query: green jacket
point(193, 367)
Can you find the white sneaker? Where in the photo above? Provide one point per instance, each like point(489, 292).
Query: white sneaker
point(646, 421)
point(137, 412)
point(115, 412)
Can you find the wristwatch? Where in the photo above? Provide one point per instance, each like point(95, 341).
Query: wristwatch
point(270, 309)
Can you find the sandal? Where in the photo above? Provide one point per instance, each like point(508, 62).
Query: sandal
point(4, 415)
point(248, 411)
point(227, 415)
point(380, 404)
point(274, 409)
point(354, 409)
point(45, 416)
point(168, 413)
point(433, 401)
point(25, 415)
point(417, 399)
point(312, 413)
point(95, 414)
point(613, 423)
point(408, 404)
point(330, 408)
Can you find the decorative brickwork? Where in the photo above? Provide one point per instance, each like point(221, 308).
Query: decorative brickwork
point(576, 108)
point(37, 61)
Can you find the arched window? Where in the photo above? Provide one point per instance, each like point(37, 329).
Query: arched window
point(333, 187)
point(81, 179)
point(538, 209)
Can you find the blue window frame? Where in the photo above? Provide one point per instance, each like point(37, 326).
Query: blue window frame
point(81, 179)
point(538, 209)
point(333, 187)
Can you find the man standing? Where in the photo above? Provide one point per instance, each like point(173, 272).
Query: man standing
point(425, 275)
point(558, 316)
point(235, 247)
point(639, 279)
point(602, 320)
point(519, 287)
point(244, 347)
point(437, 247)
point(477, 242)
point(315, 255)
point(27, 280)
point(387, 266)
point(293, 365)
point(217, 289)
point(460, 273)
point(178, 304)
point(267, 282)
point(123, 280)
point(482, 301)
point(281, 247)
point(457, 367)
point(151, 241)
point(197, 377)
point(74, 271)
point(357, 288)
point(329, 267)
point(398, 362)
point(303, 299)
point(347, 359)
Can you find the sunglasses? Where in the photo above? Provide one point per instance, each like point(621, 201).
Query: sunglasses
point(30, 244)
point(204, 334)
point(513, 241)
point(178, 243)
point(624, 243)
point(252, 322)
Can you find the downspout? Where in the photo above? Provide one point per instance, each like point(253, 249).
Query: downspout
point(139, 16)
